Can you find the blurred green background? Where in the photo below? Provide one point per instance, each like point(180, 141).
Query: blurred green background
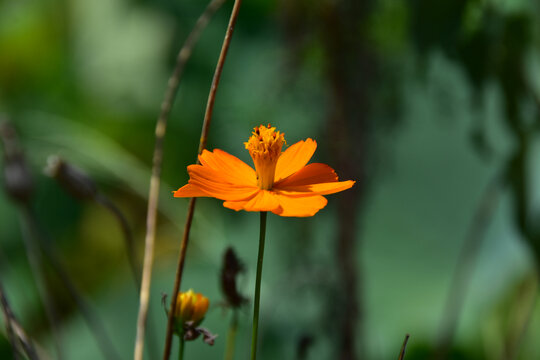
point(425, 103)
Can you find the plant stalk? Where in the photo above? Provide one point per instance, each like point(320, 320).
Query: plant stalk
point(95, 325)
point(403, 347)
point(202, 144)
point(35, 261)
point(254, 333)
point(181, 347)
point(153, 197)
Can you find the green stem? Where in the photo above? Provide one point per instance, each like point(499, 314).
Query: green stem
point(181, 348)
point(231, 336)
point(258, 287)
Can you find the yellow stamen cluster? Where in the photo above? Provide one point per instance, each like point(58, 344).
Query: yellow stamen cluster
point(264, 146)
point(191, 307)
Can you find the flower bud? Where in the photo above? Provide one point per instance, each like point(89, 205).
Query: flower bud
point(190, 308)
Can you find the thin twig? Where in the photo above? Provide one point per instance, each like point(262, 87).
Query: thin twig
point(14, 329)
point(36, 266)
point(29, 346)
point(96, 326)
point(8, 316)
point(202, 145)
point(35, 239)
point(82, 187)
point(133, 262)
point(177, 281)
point(466, 260)
point(153, 197)
point(403, 347)
point(19, 186)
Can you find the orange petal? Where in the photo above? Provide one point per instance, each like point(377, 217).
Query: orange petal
point(294, 158)
point(299, 206)
point(235, 205)
point(206, 173)
point(215, 184)
point(231, 168)
point(310, 174)
point(264, 201)
point(224, 191)
point(190, 191)
point(207, 182)
point(319, 189)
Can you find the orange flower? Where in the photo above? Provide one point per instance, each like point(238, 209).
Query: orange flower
point(281, 182)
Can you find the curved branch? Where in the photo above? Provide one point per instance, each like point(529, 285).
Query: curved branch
point(153, 197)
point(202, 145)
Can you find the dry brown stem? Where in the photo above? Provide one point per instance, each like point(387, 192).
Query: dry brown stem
point(202, 145)
point(161, 126)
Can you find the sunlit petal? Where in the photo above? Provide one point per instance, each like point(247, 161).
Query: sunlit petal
point(224, 191)
point(189, 190)
point(231, 168)
point(319, 189)
point(299, 206)
point(211, 183)
point(310, 174)
point(294, 158)
point(263, 201)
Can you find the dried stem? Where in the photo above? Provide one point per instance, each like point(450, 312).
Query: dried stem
point(403, 347)
point(82, 187)
point(466, 260)
point(153, 197)
point(96, 326)
point(8, 315)
point(132, 258)
point(24, 343)
point(182, 256)
point(36, 266)
point(202, 145)
point(15, 330)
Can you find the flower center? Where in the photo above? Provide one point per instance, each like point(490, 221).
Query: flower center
point(264, 146)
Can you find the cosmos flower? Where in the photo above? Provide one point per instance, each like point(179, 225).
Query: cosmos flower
point(282, 182)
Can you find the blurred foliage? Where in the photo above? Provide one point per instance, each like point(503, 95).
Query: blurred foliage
point(494, 45)
point(450, 98)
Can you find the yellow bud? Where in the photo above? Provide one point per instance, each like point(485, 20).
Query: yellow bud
point(191, 307)
point(200, 307)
